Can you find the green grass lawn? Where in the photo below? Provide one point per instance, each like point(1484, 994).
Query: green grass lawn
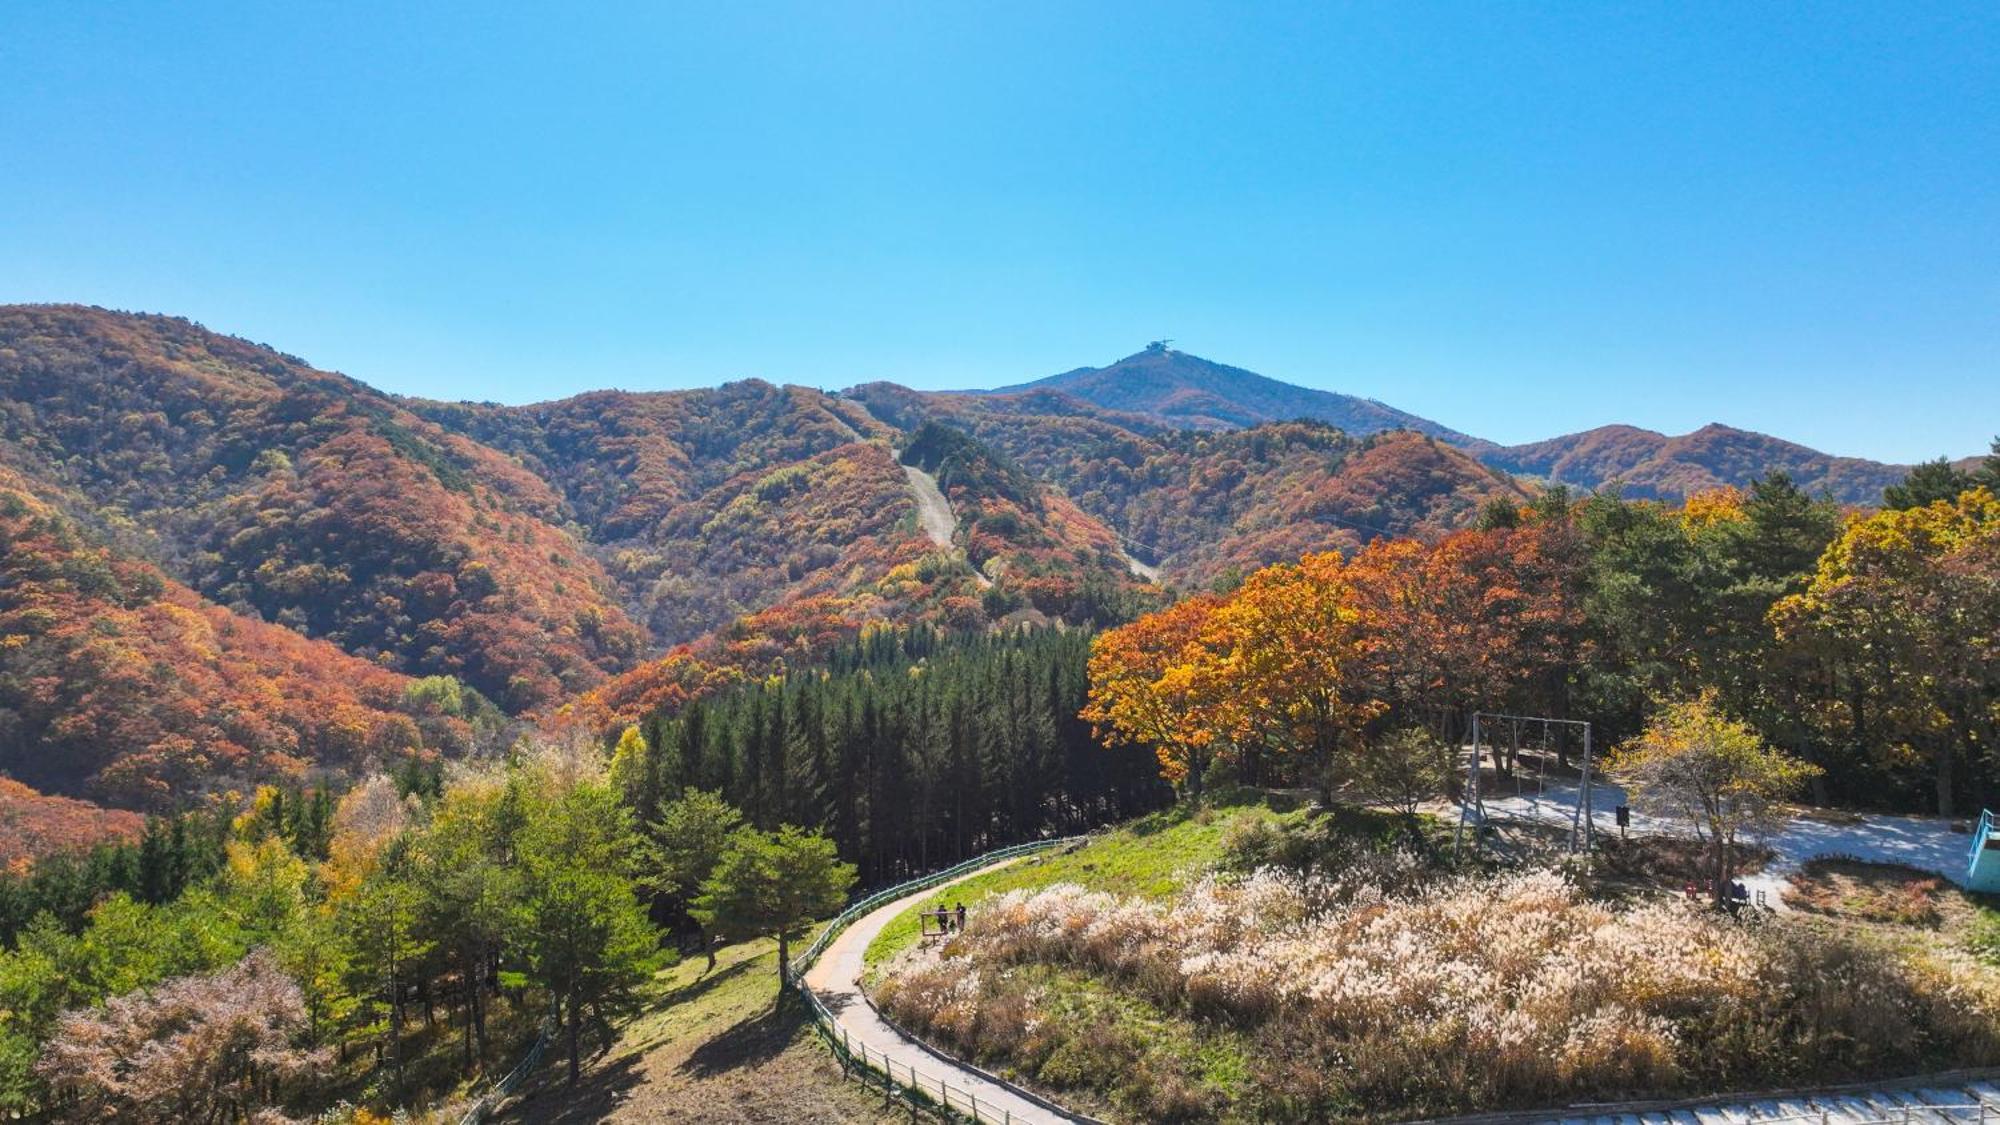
point(1112, 1052)
point(1151, 857)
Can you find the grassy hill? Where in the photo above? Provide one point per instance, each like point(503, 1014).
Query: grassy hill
point(1253, 961)
point(711, 1045)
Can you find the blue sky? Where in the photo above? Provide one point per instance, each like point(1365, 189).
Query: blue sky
point(1518, 219)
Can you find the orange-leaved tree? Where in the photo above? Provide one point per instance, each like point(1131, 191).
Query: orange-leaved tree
point(1291, 678)
point(1157, 682)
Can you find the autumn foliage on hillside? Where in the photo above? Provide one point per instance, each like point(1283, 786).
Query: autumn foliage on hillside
point(1647, 464)
point(308, 498)
point(1205, 504)
point(1038, 549)
point(1286, 674)
point(121, 684)
point(825, 526)
point(716, 505)
point(625, 461)
point(1863, 644)
point(33, 825)
point(705, 505)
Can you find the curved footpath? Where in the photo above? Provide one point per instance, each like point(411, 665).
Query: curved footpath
point(836, 979)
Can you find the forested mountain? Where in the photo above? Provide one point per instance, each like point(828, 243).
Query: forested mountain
point(1162, 389)
point(306, 498)
point(223, 502)
point(1182, 391)
point(1201, 504)
point(190, 514)
point(706, 505)
point(122, 684)
point(854, 634)
point(1649, 464)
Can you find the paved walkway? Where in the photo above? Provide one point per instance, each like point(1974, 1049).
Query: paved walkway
point(1966, 1103)
point(836, 979)
point(1925, 843)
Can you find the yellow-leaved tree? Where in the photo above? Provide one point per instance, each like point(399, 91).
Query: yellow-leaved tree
point(1901, 620)
point(1290, 678)
point(1699, 766)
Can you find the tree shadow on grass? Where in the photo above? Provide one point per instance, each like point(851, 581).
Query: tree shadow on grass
point(553, 1101)
point(703, 984)
point(758, 1039)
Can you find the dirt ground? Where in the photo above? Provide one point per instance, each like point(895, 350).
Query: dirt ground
point(1875, 892)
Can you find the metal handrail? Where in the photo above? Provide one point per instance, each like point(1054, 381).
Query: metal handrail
point(917, 1088)
point(1979, 836)
point(512, 1080)
point(846, 917)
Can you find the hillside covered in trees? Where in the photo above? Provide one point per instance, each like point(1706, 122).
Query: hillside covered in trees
point(241, 569)
point(118, 683)
point(1161, 388)
point(1644, 463)
point(230, 567)
point(307, 499)
point(1203, 504)
point(445, 714)
point(1862, 644)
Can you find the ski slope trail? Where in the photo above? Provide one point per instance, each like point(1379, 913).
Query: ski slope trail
point(934, 512)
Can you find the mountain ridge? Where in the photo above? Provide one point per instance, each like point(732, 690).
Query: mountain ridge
point(252, 511)
point(1651, 464)
point(1187, 391)
point(1172, 389)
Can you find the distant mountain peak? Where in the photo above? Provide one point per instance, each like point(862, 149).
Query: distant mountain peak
point(1178, 389)
point(1173, 389)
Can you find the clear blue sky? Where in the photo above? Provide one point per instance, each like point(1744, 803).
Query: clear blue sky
point(1517, 219)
